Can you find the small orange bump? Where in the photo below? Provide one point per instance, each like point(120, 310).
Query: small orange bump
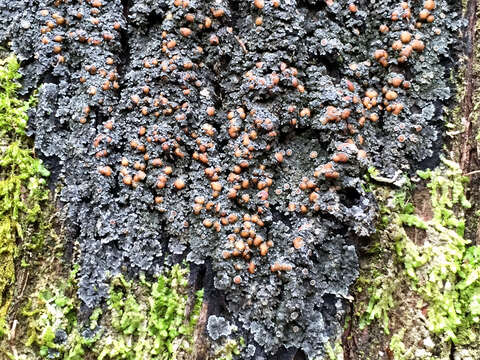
point(405, 37)
point(216, 186)
point(396, 81)
point(380, 53)
point(362, 154)
point(313, 197)
point(207, 223)
point(127, 180)
point(370, 93)
point(239, 244)
point(332, 175)
point(305, 112)
point(263, 249)
point(257, 240)
point(105, 170)
point(279, 157)
point(179, 184)
point(391, 95)
point(429, 5)
point(340, 157)
point(423, 14)
point(418, 45)
point(397, 45)
point(232, 194)
point(185, 31)
point(218, 12)
point(259, 4)
point(345, 114)
point(397, 109)
point(208, 22)
point(210, 111)
point(135, 99)
point(350, 85)
point(139, 176)
point(298, 243)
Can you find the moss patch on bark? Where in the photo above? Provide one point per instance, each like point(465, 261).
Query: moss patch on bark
point(419, 283)
point(23, 191)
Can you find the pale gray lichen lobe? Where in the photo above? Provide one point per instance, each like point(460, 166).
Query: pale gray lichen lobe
point(234, 135)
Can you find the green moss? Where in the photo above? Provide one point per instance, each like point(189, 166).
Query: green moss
point(53, 311)
point(229, 349)
point(380, 301)
point(141, 321)
point(443, 270)
point(335, 352)
point(378, 281)
point(397, 346)
point(161, 324)
point(23, 190)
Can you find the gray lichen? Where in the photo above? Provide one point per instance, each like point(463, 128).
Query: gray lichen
point(234, 134)
point(217, 327)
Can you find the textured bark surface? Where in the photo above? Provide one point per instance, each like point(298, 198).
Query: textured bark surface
point(236, 135)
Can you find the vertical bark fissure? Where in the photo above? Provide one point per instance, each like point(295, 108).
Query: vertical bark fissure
point(467, 103)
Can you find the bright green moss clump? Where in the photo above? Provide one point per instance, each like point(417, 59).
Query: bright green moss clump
point(156, 323)
point(334, 352)
point(229, 349)
point(397, 347)
point(380, 289)
point(22, 185)
point(444, 271)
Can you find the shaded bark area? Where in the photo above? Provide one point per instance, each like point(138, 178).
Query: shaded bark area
point(468, 138)
point(470, 154)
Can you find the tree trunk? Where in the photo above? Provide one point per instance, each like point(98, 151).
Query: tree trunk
point(269, 147)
